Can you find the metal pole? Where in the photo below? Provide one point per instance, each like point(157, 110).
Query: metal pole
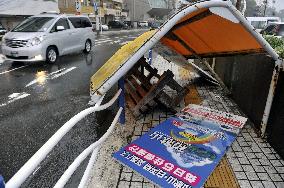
point(121, 101)
point(101, 5)
point(150, 56)
point(2, 183)
point(269, 100)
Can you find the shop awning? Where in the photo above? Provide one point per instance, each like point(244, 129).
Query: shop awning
point(203, 29)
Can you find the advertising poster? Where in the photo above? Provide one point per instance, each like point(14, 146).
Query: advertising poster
point(183, 151)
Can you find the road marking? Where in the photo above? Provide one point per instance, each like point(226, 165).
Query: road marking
point(14, 97)
point(53, 76)
point(41, 77)
point(13, 69)
point(125, 42)
point(103, 41)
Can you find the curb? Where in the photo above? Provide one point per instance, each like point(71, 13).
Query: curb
point(121, 31)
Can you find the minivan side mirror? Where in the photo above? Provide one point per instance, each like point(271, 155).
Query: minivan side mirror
point(60, 28)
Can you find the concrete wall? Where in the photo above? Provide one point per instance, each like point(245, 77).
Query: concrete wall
point(248, 77)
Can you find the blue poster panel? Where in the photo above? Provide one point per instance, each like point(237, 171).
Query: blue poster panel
point(183, 151)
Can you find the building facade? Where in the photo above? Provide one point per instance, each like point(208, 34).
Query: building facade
point(108, 10)
point(11, 15)
point(147, 10)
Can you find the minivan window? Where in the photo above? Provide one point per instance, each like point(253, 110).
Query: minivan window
point(86, 22)
point(61, 22)
point(34, 24)
point(76, 22)
point(80, 22)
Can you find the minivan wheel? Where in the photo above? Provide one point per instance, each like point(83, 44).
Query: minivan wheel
point(88, 46)
point(51, 55)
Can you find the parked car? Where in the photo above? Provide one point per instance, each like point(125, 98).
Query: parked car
point(3, 31)
point(103, 26)
point(155, 25)
point(47, 36)
point(117, 25)
point(260, 23)
point(129, 24)
point(274, 28)
point(143, 24)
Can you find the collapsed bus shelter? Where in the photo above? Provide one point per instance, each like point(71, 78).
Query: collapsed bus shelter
point(200, 30)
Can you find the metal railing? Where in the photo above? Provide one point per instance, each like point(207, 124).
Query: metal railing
point(30, 166)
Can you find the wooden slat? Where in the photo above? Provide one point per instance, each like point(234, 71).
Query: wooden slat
point(132, 93)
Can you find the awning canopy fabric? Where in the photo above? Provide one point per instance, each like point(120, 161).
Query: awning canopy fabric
point(207, 34)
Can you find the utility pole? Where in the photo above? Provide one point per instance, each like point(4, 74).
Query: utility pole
point(265, 7)
point(239, 4)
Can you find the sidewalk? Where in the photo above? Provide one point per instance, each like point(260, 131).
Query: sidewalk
point(251, 159)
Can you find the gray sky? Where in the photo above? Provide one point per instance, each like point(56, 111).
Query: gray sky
point(279, 4)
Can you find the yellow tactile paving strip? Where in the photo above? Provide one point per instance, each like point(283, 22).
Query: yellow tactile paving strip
point(223, 176)
point(118, 59)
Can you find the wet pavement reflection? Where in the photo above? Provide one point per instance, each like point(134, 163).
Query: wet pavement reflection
point(39, 98)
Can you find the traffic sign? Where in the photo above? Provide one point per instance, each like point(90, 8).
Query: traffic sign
point(78, 6)
point(95, 6)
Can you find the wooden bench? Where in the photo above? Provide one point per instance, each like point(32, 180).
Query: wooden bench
point(146, 88)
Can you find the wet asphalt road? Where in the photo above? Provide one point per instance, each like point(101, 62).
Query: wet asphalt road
point(37, 99)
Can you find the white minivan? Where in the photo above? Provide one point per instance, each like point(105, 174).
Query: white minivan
point(47, 36)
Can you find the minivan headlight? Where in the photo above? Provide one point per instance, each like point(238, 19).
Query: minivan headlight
point(35, 41)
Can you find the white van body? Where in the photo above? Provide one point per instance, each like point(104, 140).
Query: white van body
point(260, 23)
point(33, 39)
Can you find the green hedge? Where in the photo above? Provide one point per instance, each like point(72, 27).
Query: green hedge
point(276, 43)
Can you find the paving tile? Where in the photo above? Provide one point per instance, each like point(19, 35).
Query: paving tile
point(270, 156)
point(234, 161)
point(250, 155)
point(244, 184)
point(252, 176)
point(270, 169)
point(256, 184)
point(123, 184)
point(264, 176)
point(148, 185)
point(260, 156)
point(275, 177)
point(137, 177)
point(259, 168)
point(125, 176)
point(266, 150)
point(136, 184)
point(243, 160)
point(279, 184)
point(236, 167)
point(268, 184)
point(248, 168)
point(240, 154)
point(254, 162)
point(276, 163)
point(247, 149)
point(241, 175)
point(264, 161)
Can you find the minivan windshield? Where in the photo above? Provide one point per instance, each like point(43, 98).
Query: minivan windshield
point(34, 24)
